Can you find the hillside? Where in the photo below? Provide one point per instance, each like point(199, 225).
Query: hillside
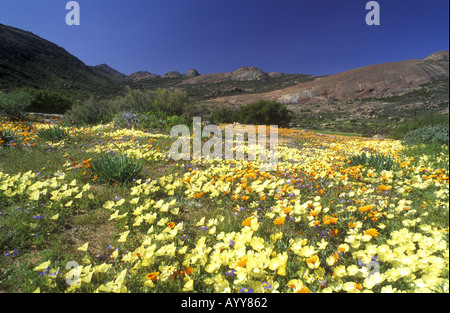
point(27, 60)
point(379, 80)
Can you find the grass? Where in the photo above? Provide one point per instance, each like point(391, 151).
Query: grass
point(313, 225)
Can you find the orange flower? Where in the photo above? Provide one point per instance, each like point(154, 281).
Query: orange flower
point(189, 270)
point(384, 187)
point(303, 290)
point(352, 225)
point(279, 221)
point(263, 198)
point(242, 262)
point(313, 261)
point(371, 232)
point(199, 195)
point(247, 222)
point(334, 232)
point(171, 224)
point(365, 208)
point(335, 255)
point(152, 276)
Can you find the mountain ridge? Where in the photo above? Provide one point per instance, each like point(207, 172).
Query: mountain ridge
point(27, 60)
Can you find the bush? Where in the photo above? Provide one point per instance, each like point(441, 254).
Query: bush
point(224, 115)
point(116, 168)
point(438, 120)
point(89, 112)
point(14, 105)
point(378, 162)
point(427, 134)
point(45, 101)
point(263, 112)
point(138, 101)
point(159, 120)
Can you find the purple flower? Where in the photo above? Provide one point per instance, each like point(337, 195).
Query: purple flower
point(12, 252)
point(230, 272)
point(266, 285)
point(246, 290)
point(112, 248)
point(38, 216)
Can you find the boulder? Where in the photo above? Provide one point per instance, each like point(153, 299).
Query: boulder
point(191, 73)
point(172, 74)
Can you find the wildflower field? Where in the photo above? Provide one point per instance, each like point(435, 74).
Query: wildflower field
point(319, 223)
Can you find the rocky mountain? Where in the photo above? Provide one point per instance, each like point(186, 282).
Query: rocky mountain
point(27, 60)
point(243, 74)
point(379, 80)
point(142, 75)
point(172, 74)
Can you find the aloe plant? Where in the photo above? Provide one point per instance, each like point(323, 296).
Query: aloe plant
point(116, 168)
point(376, 161)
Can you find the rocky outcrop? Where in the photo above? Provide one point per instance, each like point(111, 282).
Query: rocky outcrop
point(172, 74)
point(248, 73)
point(191, 73)
point(142, 75)
point(245, 73)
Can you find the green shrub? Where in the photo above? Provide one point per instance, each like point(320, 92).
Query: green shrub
point(438, 120)
point(224, 115)
point(427, 134)
point(13, 105)
point(153, 119)
point(45, 101)
point(158, 120)
point(116, 168)
point(378, 162)
point(89, 112)
point(263, 112)
point(139, 101)
point(54, 134)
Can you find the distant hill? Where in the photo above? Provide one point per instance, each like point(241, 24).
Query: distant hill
point(27, 60)
point(379, 80)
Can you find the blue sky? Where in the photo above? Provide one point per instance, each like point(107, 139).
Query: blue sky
point(316, 37)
